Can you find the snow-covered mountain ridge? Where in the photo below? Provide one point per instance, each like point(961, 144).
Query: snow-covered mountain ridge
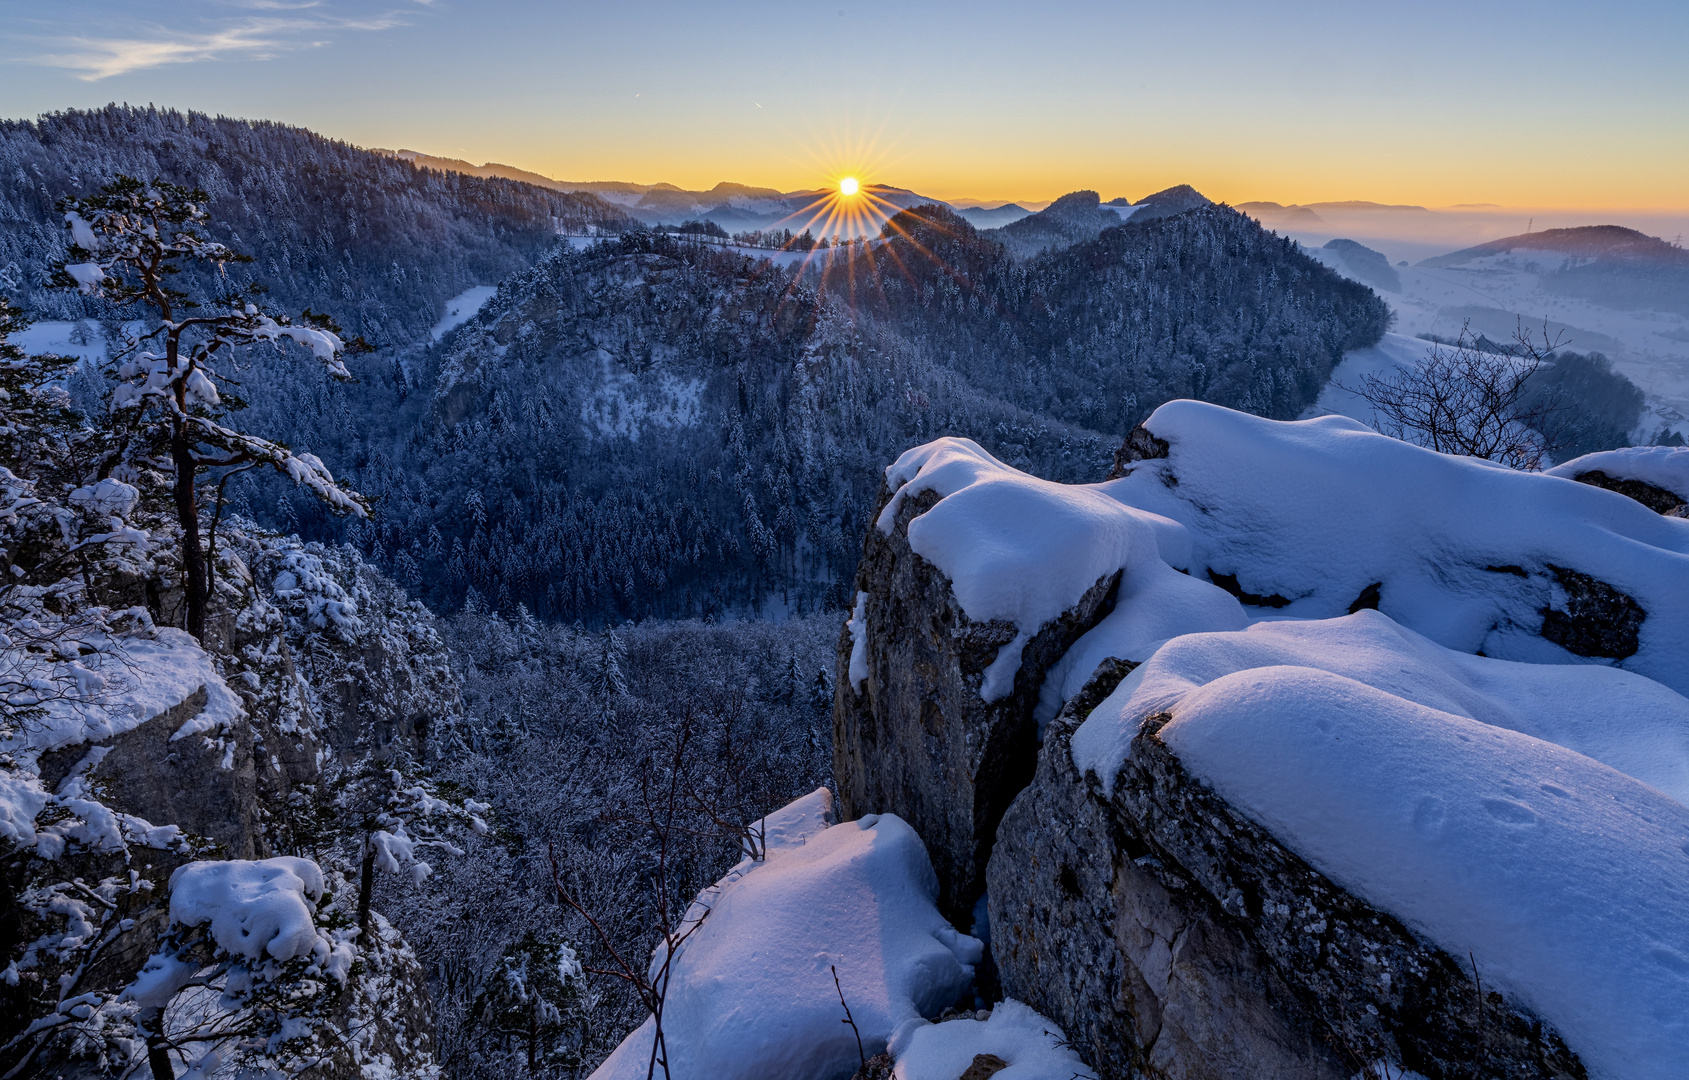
point(376, 242)
point(751, 400)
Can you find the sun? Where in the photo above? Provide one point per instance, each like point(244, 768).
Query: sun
point(849, 186)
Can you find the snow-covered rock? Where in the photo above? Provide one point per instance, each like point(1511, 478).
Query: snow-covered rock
point(1655, 476)
point(1395, 714)
point(919, 727)
point(1317, 518)
point(253, 909)
point(1560, 877)
point(751, 991)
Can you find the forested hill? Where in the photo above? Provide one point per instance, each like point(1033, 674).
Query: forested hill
point(657, 426)
point(1201, 304)
point(376, 242)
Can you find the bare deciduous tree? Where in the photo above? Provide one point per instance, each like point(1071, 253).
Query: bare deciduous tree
point(1466, 399)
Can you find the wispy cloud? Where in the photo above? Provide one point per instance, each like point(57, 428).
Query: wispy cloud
point(249, 38)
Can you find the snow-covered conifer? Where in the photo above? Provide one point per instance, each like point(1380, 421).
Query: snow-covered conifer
point(531, 996)
point(172, 396)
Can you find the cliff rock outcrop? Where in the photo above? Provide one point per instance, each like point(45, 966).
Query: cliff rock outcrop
point(1172, 937)
point(915, 737)
point(1198, 884)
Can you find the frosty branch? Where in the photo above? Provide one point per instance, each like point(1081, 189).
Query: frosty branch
point(1465, 399)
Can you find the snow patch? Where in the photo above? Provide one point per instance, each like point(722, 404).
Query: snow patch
point(623, 407)
point(1625, 721)
point(1319, 511)
point(1561, 876)
point(137, 679)
point(751, 991)
point(253, 908)
point(461, 308)
point(1662, 466)
point(858, 624)
point(1033, 1046)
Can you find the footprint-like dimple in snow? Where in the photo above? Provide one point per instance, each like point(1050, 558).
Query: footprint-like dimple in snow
point(1506, 810)
point(1670, 960)
point(1428, 818)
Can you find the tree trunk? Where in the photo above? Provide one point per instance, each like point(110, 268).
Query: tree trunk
point(366, 886)
point(158, 1057)
point(187, 515)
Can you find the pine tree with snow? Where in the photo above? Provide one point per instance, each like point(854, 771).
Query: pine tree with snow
point(167, 410)
point(397, 809)
point(609, 683)
point(531, 997)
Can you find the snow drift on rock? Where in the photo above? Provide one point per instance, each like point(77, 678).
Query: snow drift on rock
point(1662, 466)
point(1025, 550)
point(139, 678)
point(751, 992)
point(1405, 773)
point(1319, 511)
point(1621, 719)
point(253, 908)
point(1033, 1046)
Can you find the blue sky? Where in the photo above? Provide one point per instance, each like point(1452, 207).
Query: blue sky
point(1545, 104)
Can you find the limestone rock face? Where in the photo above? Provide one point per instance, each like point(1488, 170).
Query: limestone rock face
point(917, 739)
point(1172, 938)
point(147, 773)
point(379, 678)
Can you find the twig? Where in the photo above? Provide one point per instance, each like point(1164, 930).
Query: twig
point(861, 1056)
point(1479, 987)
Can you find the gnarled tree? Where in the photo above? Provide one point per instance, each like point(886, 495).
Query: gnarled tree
point(170, 403)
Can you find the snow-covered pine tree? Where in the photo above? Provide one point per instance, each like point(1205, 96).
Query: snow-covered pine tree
point(167, 413)
point(609, 683)
point(531, 997)
point(396, 808)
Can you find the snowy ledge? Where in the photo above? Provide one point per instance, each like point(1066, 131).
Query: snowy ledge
point(1496, 753)
point(1479, 801)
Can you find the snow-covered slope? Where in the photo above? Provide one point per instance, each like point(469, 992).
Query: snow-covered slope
point(751, 991)
point(1494, 291)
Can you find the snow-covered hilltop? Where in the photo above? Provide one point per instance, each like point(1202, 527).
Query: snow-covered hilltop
point(1294, 749)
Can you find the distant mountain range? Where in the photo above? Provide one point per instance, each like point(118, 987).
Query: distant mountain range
point(741, 207)
point(1586, 242)
point(1298, 216)
point(1608, 265)
point(1082, 215)
point(734, 207)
